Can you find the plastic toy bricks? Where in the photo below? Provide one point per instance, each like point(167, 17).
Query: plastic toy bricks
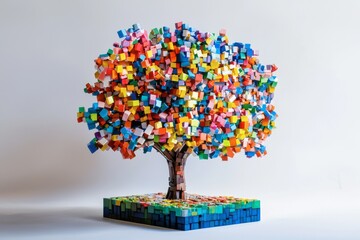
point(181, 92)
point(194, 213)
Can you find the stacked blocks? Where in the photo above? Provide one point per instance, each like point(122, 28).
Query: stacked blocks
point(194, 213)
point(180, 87)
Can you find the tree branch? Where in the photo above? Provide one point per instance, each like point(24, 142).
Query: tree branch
point(170, 156)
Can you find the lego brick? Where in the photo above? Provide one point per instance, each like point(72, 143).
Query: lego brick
point(188, 68)
point(154, 209)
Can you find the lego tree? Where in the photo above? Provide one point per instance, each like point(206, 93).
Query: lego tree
point(182, 92)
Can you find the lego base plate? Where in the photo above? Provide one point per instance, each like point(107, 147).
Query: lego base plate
point(195, 212)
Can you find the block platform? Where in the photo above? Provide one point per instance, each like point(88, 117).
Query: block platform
point(196, 212)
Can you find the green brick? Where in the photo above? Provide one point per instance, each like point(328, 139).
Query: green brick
point(256, 204)
point(151, 209)
point(107, 203)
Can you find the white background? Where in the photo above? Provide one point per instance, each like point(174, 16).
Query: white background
point(51, 187)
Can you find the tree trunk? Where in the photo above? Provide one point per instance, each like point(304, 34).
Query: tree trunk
point(177, 185)
point(176, 162)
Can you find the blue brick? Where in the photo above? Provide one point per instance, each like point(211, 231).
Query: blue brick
point(116, 210)
point(194, 226)
point(183, 226)
point(183, 220)
point(173, 219)
point(155, 217)
point(254, 212)
point(139, 215)
point(135, 212)
point(195, 219)
point(160, 223)
point(243, 212)
point(227, 211)
point(122, 33)
point(206, 224)
point(106, 212)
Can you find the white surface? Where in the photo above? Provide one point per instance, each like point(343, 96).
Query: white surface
point(318, 220)
point(309, 184)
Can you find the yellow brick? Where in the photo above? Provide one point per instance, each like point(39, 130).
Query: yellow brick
point(133, 112)
point(133, 103)
point(122, 92)
point(158, 125)
point(271, 89)
point(122, 56)
point(119, 69)
point(131, 117)
point(235, 72)
point(174, 78)
point(117, 88)
point(181, 91)
point(110, 100)
point(184, 76)
point(114, 137)
point(149, 54)
point(147, 110)
point(244, 118)
point(130, 87)
point(183, 119)
point(169, 147)
point(231, 105)
point(96, 74)
point(104, 147)
point(93, 116)
point(226, 143)
point(129, 68)
point(214, 64)
point(233, 119)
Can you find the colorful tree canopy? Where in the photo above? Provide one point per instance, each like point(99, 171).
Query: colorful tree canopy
point(179, 88)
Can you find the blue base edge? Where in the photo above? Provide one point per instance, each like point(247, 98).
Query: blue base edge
point(140, 214)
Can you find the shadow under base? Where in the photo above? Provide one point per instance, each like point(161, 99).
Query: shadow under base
point(195, 212)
